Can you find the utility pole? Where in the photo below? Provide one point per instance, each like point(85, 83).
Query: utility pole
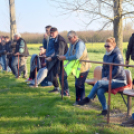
point(13, 27)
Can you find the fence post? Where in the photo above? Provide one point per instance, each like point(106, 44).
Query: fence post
point(109, 93)
point(35, 72)
point(62, 79)
point(18, 65)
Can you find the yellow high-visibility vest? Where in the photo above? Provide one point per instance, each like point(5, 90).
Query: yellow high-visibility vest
point(73, 66)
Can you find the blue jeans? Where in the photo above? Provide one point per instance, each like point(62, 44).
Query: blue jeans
point(4, 62)
point(14, 65)
point(100, 88)
point(80, 86)
point(133, 115)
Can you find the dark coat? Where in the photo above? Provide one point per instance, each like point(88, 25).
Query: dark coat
point(118, 72)
point(18, 46)
point(55, 66)
point(130, 48)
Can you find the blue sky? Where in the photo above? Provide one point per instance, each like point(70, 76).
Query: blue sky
point(34, 15)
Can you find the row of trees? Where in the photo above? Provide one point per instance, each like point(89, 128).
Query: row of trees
point(87, 36)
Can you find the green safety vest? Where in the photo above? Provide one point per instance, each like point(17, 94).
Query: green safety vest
point(73, 67)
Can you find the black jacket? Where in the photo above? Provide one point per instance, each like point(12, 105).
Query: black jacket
point(130, 48)
point(4, 48)
point(118, 72)
point(55, 66)
point(18, 46)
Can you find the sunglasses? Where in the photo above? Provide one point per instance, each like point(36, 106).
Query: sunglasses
point(107, 46)
point(70, 38)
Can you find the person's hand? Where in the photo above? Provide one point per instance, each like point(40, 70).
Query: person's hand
point(16, 54)
point(61, 57)
point(49, 59)
point(105, 79)
point(127, 62)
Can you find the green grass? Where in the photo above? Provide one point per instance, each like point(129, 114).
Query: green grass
point(25, 110)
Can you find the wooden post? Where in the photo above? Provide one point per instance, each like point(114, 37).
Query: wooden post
point(62, 79)
point(13, 27)
point(35, 72)
point(18, 66)
point(129, 106)
point(109, 93)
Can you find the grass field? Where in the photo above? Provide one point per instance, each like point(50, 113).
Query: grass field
point(25, 110)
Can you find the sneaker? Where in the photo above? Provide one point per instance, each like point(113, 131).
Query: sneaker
point(65, 93)
point(76, 103)
point(28, 80)
point(32, 85)
point(84, 101)
point(55, 90)
point(104, 113)
point(129, 122)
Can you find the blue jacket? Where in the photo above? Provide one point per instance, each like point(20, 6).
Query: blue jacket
point(118, 72)
point(50, 49)
point(80, 47)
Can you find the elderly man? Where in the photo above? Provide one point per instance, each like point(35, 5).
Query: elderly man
point(77, 52)
point(55, 66)
point(22, 51)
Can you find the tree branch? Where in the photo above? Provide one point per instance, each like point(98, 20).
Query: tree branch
point(132, 12)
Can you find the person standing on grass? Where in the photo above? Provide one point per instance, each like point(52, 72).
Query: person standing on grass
point(22, 51)
point(0, 57)
point(3, 53)
point(130, 52)
point(50, 51)
point(8, 46)
point(112, 55)
point(78, 51)
point(54, 64)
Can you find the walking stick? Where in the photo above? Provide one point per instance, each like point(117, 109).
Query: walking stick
point(109, 93)
point(35, 72)
point(62, 79)
point(18, 65)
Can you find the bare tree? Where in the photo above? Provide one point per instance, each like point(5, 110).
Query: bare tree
point(106, 11)
point(13, 27)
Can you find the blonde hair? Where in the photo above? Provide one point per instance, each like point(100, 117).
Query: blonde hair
point(112, 41)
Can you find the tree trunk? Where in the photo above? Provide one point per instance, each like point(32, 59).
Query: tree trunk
point(118, 24)
point(13, 27)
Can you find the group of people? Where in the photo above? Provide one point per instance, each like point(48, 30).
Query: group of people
point(9, 52)
point(51, 66)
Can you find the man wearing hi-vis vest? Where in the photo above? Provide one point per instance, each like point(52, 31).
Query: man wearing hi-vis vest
point(72, 63)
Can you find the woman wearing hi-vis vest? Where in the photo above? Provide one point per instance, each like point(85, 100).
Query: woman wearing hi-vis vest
point(75, 53)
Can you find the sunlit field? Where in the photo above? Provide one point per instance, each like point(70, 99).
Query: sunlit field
point(25, 110)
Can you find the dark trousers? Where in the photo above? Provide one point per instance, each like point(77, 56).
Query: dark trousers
point(80, 86)
point(55, 82)
point(14, 66)
point(65, 80)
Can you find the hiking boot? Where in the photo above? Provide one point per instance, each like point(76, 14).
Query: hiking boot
point(55, 90)
point(104, 113)
point(32, 85)
point(129, 122)
point(84, 101)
